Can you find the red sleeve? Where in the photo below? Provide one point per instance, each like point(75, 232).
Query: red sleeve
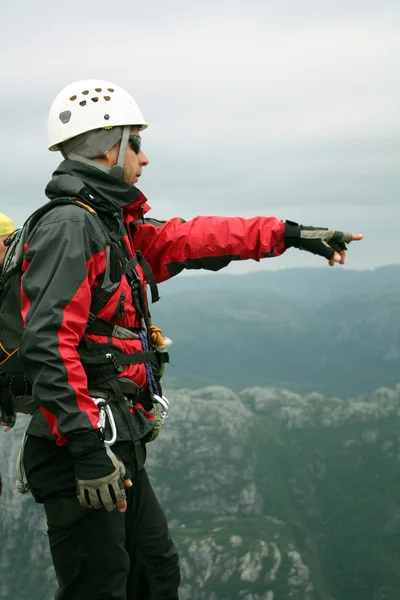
point(206, 242)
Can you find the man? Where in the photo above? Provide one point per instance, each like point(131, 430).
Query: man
point(7, 227)
point(98, 552)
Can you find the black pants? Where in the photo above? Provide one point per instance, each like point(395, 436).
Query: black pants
point(100, 555)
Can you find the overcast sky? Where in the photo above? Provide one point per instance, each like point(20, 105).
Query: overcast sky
point(271, 107)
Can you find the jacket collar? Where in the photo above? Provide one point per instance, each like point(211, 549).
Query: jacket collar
point(107, 194)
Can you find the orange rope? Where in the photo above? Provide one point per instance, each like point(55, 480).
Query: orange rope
point(156, 336)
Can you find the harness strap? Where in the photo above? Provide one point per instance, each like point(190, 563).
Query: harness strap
point(98, 326)
point(155, 296)
point(139, 458)
point(119, 358)
point(129, 264)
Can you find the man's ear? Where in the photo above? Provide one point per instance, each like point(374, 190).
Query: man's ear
point(110, 158)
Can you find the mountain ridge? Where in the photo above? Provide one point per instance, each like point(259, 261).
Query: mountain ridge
point(338, 334)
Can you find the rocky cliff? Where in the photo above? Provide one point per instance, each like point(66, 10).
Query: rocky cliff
point(269, 495)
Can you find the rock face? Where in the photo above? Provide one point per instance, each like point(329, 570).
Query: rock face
point(269, 495)
point(25, 568)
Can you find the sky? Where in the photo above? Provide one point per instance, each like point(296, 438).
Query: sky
point(263, 107)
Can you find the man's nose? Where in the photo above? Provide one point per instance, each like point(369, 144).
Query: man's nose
point(144, 161)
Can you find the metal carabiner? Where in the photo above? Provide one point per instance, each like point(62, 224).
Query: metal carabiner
point(105, 409)
point(164, 403)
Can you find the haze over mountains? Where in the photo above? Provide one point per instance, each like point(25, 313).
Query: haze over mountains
point(335, 331)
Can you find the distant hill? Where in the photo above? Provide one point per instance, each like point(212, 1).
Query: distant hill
point(336, 331)
point(269, 494)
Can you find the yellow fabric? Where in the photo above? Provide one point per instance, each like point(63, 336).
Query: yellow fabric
point(6, 225)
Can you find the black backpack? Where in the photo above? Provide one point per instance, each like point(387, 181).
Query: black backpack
point(102, 362)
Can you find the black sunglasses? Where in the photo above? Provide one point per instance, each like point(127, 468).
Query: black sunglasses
point(135, 142)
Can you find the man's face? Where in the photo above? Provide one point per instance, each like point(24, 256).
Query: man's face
point(134, 161)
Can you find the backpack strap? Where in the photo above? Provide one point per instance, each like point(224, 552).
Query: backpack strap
point(151, 280)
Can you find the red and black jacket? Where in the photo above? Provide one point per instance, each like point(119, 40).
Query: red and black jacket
point(66, 258)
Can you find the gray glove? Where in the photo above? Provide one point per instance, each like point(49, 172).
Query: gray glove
point(317, 240)
point(103, 491)
point(99, 473)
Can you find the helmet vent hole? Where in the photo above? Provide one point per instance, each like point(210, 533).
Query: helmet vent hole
point(95, 99)
point(85, 93)
point(107, 98)
point(110, 89)
point(97, 89)
point(83, 103)
point(73, 98)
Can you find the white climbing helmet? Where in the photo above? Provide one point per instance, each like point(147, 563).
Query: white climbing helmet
point(90, 104)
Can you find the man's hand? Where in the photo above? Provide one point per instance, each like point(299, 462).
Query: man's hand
point(107, 491)
point(340, 257)
point(4, 424)
point(100, 476)
point(322, 241)
point(7, 421)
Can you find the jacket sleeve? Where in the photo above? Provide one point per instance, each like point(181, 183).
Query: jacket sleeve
point(57, 274)
point(206, 242)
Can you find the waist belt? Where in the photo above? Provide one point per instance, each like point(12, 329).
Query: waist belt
point(131, 390)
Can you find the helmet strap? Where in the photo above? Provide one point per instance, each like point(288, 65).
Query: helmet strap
point(115, 171)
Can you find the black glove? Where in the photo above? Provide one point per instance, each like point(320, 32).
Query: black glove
point(99, 473)
point(318, 240)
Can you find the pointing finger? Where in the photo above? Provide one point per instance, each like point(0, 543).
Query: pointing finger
point(344, 237)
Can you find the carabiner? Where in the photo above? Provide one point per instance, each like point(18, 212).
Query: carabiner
point(105, 409)
point(164, 403)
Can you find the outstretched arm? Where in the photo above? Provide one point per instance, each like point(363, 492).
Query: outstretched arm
point(206, 242)
point(213, 242)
